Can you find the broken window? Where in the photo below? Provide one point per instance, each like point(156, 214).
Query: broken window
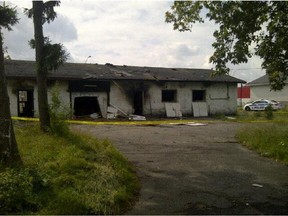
point(198, 95)
point(86, 105)
point(169, 95)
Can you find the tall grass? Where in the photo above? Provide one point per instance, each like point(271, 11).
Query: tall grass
point(268, 139)
point(75, 174)
point(272, 116)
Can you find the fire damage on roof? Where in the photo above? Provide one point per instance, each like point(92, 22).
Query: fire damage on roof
point(77, 71)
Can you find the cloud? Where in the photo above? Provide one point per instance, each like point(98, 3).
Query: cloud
point(61, 30)
point(17, 40)
point(183, 51)
point(248, 71)
point(123, 32)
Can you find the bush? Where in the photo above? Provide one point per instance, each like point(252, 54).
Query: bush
point(17, 190)
point(58, 114)
point(269, 112)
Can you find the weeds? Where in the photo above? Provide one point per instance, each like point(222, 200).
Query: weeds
point(74, 174)
point(269, 140)
point(270, 115)
point(16, 191)
point(269, 112)
point(59, 112)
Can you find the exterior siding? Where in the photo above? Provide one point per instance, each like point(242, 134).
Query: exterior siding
point(264, 92)
point(13, 87)
point(220, 97)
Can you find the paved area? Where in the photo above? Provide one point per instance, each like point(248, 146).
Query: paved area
point(198, 170)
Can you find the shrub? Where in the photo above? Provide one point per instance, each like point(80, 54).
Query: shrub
point(17, 190)
point(269, 112)
point(58, 114)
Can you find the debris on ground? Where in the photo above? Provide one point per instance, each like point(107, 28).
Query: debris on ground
point(189, 124)
point(257, 185)
point(137, 118)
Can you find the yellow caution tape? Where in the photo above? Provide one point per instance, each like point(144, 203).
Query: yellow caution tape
point(25, 119)
point(156, 122)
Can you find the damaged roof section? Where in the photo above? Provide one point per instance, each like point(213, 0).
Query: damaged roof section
point(77, 71)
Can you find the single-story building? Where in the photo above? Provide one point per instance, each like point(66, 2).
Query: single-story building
point(148, 91)
point(260, 89)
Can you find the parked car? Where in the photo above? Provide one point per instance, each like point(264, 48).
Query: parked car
point(262, 105)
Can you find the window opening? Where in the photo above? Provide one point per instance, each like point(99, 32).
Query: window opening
point(198, 95)
point(169, 95)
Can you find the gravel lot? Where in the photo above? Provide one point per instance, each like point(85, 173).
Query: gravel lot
point(198, 170)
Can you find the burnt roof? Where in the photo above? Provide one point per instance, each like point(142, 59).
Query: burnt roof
point(77, 71)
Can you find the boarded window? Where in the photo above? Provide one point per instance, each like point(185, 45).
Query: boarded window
point(169, 95)
point(89, 86)
point(198, 95)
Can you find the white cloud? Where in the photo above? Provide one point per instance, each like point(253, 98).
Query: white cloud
point(17, 40)
point(130, 32)
point(61, 30)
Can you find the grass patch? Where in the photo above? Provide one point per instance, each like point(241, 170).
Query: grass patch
point(268, 139)
point(261, 116)
point(75, 174)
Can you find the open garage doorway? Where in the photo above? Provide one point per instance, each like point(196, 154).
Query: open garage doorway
point(84, 106)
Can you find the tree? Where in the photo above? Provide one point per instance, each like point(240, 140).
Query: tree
point(9, 154)
point(48, 56)
point(242, 26)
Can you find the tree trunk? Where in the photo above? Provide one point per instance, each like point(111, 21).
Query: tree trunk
point(9, 154)
point(42, 71)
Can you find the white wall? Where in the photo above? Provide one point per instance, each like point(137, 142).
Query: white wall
point(220, 97)
point(119, 97)
point(13, 87)
point(264, 92)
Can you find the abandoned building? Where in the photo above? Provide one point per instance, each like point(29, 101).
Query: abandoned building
point(145, 91)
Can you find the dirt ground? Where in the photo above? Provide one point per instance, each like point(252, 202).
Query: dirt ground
point(198, 170)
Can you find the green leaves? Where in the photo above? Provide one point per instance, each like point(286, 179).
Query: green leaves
point(47, 8)
point(55, 55)
point(184, 14)
point(8, 17)
point(263, 24)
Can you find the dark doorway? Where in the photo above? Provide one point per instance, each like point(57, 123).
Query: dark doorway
point(138, 102)
point(86, 105)
point(25, 103)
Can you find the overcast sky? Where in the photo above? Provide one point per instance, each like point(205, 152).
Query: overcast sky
point(122, 33)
